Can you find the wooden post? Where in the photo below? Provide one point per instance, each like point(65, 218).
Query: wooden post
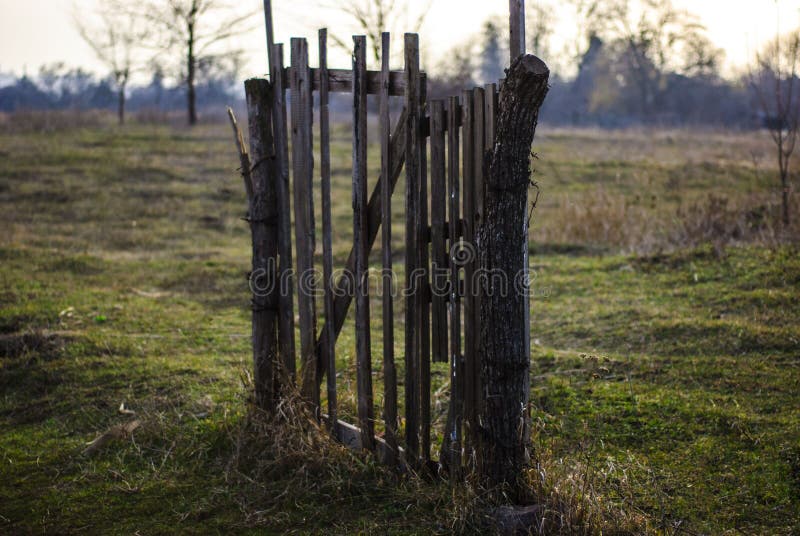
point(456, 359)
point(490, 116)
point(286, 347)
point(271, 63)
point(470, 327)
point(412, 206)
point(389, 370)
point(302, 160)
point(423, 291)
point(502, 242)
point(328, 344)
point(517, 28)
point(360, 232)
point(479, 136)
point(263, 220)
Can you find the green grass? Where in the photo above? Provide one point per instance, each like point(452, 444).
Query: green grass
point(669, 380)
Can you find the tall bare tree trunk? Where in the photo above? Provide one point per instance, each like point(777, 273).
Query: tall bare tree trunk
point(785, 185)
point(783, 164)
point(190, 78)
point(502, 247)
point(121, 104)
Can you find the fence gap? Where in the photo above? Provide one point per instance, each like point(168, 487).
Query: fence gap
point(439, 280)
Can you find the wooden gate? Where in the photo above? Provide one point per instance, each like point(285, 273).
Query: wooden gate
point(440, 145)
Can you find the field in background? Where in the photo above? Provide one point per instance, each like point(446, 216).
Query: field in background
point(664, 325)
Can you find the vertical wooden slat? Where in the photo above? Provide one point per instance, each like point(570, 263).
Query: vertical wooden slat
point(490, 116)
point(411, 208)
point(424, 302)
point(328, 343)
point(302, 160)
point(440, 275)
point(479, 137)
point(389, 371)
point(286, 345)
point(244, 158)
point(263, 219)
point(517, 28)
point(470, 335)
point(360, 246)
point(270, 39)
point(454, 214)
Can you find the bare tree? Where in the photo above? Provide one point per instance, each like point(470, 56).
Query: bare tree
point(653, 38)
point(115, 36)
point(195, 31)
point(777, 88)
point(541, 23)
point(374, 17)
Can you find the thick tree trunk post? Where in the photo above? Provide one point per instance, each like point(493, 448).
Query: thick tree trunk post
point(502, 246)
point(263, 217)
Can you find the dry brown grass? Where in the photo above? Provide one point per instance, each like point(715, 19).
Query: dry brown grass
point(45, 121)
point(288, 458)
point(640, 226)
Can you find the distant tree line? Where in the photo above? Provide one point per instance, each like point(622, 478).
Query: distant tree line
point(638, 62)
point(58, 87)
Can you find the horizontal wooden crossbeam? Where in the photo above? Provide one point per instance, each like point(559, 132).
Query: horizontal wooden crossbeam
point(350, 437)
point(341, 81)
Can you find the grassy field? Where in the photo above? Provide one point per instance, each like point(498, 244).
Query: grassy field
point(665, 326)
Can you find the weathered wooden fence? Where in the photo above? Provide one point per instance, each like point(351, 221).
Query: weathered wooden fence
point(441, 146)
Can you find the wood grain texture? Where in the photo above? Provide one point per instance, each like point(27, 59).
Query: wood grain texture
point(360, 246)
point(286, 342)
point(263, 227)
point(470, 336)
point(424, 296)
point(516, 10)
point(502, 242)
point(412, 207)
point(341, 81)
point(302, 159)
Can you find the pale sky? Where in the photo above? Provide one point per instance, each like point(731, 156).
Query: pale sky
point(36, 32)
